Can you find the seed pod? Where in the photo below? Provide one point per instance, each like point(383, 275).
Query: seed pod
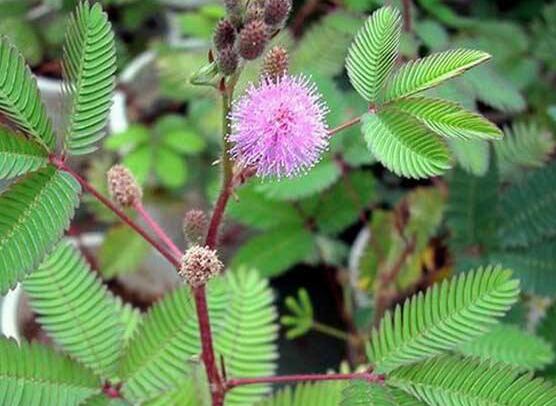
point(224, 35)
point(227, 61)
point(276, 11)
point(252, 39)
point(199, 265)
point(123, 187)
point(195, 225)
point(276, 63)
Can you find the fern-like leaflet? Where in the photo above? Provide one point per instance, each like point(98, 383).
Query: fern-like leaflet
point(445, 316)
point(33, 374)
point(89, 64)
point(19, 155)
point(20, 99)
point(453, 381)
point(76, 310)
point(374, 50)
point(405, 146)
point(307, 394)
point(422, 74)
point(35, 212)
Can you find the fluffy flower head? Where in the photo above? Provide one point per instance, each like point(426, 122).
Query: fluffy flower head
point(279, 127)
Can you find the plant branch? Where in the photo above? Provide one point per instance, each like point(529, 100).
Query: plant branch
point(174, 260)
point(345, 125)
point(406, 10)
point(365, 376)
point(330, 331)
point(155, 227)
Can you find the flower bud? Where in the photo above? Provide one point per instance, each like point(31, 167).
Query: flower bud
point(224, 35)
point(228, 60)
point(255, 11)
point(195, 225)
point(252, 39)
point(122, 186)
point(276, 11)
point(199, 264)
point(276, 63)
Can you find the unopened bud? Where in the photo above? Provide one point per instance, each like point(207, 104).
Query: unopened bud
point(122, 186)
point(252, 39)
point(275, 63)
point(195, 225)
point(255, 11)
point(276, 11)
point(199, 264)
point(228, 60)
point(224, 35)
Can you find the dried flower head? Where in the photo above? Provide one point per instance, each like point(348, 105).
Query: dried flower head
point(199, 264)
point(122, 186)
point(228, 60)
point(252, 39)
point(276, 63)
point(195, 225)
point(224, 35)
point(279, 127)
point(276, 11)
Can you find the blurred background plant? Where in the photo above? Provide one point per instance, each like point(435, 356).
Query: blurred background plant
point(348, 240)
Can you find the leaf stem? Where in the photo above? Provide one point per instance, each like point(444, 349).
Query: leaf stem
point(345, 125)
point(365, 376)
point(330, 331)
point(174, 260)
point(155, 227)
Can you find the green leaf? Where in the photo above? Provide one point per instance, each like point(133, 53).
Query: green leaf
point(342, 205)
point(89, 65)
point(19, 97)
point(184, 142)
point(472, 155)
point(444, 317)
point(362, 393)
point(472, 210)
point(33, 374)
point(133, 136)
point(307, 394)
point(299, 321)
point(157, 359)
point(170, 168)
point(139, 162)
point(317, 179)
point(452, 381)
point(447, 119)
point(275, 251)
point(422, 74)
point(546, 330)
point(535, 265)
point(525, 145)
point(19, 155)
point(255, 210)
point(404, 146)
point(76, 310)
point(529, 209)
point(23, 35)
point(122, 251)
point(510, 345)
point(35, 212)
point(373, 52)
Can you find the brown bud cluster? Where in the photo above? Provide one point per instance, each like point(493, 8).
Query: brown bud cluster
point(224, 35)
point(276, 63)
point(199, 264)
point(276, 11)
point(195, 225)
point(252, 39)
point(228, 60)
point(122, 186)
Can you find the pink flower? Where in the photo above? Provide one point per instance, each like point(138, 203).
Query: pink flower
point(279, 127)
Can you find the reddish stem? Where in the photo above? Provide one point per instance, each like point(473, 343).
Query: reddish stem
point(343, 126)
point(155, 227)
point(365, 376)
point(117, 211)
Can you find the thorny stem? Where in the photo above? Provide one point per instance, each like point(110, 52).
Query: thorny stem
point(155, 227)
point(174, 260)
point(365, 376)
